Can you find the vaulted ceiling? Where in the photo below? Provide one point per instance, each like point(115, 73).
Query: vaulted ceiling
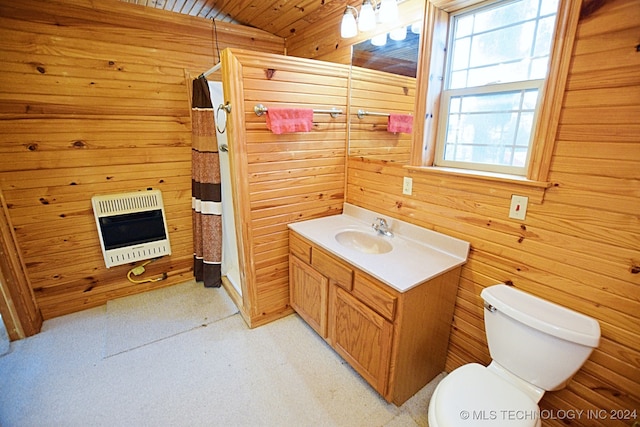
point(283, 18)
point(320, 18)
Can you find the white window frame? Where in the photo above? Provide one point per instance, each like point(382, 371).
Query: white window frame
point(430, 85)
point(483, 90)
point(496, 88)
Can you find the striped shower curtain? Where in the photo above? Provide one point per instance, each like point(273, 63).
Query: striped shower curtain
point(206, 199)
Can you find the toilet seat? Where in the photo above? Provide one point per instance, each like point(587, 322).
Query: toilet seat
point(473, 395)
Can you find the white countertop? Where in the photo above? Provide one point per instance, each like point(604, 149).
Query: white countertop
point(418, 254)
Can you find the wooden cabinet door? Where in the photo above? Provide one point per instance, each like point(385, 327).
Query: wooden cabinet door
point(308, 292)
point(362, 337)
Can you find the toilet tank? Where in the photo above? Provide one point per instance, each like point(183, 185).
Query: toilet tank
point(541, 342)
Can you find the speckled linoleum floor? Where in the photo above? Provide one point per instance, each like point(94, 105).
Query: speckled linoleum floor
point(214, 373)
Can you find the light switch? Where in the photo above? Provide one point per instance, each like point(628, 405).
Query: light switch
point(407, 186)
point(518, 208)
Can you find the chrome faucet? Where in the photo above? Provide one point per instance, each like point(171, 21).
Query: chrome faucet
point(380, 225)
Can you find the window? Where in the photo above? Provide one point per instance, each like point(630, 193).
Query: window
point(496, 65)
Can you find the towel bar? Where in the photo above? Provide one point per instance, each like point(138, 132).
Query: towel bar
point(261, 109)
point(362, 113)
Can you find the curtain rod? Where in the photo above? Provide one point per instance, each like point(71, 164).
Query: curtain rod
point(211, 70)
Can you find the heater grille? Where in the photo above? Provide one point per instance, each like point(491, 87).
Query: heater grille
point(131, 226)
point(128, 202)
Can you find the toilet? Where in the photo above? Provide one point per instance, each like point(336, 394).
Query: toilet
point(535, 346)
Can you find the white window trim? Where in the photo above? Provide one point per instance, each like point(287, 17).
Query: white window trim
point(429, 89)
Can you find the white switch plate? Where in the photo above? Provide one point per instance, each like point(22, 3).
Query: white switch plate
point(518, 208)
point(407, 186)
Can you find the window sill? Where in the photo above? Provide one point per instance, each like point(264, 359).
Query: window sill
point(511, 180)
point(489, 176)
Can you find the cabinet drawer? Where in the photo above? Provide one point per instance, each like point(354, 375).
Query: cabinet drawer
point(299, 247)
point(374, 296)
point(330, 267)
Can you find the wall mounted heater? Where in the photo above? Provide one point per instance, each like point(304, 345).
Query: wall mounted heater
point(131, 226)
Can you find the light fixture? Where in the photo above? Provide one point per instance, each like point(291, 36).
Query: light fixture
point(379, 40)
point(387, 11)
point(367, 20)
point(398, 34)
point(349, 28)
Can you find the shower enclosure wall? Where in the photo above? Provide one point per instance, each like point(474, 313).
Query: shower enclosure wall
point(230, 264)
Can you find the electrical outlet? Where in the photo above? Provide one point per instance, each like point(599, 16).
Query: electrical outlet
point(518, 209)
point(407, 186)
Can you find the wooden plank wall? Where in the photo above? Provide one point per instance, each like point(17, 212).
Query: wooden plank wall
point(379, 92)
point(290, 177)
point(94, 100)
point(579, 246)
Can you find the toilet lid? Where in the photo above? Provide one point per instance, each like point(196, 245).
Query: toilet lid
point(472, 395)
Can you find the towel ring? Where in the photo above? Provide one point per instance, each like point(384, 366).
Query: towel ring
point(227, 108)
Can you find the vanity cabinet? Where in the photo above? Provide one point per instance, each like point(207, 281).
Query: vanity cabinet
point(308, 292)
point(397, 341)
point(361, 336)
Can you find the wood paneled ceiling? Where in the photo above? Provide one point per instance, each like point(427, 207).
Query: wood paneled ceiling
point(288, 18)
point(282, 18)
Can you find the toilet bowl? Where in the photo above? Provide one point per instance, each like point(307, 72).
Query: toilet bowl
point(473, 394)
point(535, 346)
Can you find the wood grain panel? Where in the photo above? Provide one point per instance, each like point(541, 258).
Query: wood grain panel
point(284, 178)
point(579, 244)
point(94, 99)
point(379, 92)
point(18, 307)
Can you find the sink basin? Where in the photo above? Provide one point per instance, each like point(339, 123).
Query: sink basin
point(412, 256)
point(363, 242)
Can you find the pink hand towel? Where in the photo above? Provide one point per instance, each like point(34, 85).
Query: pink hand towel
point(287, 120)
point(400, 123)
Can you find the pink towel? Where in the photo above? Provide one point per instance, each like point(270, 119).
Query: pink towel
point(400, 123)
point(287, 120)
